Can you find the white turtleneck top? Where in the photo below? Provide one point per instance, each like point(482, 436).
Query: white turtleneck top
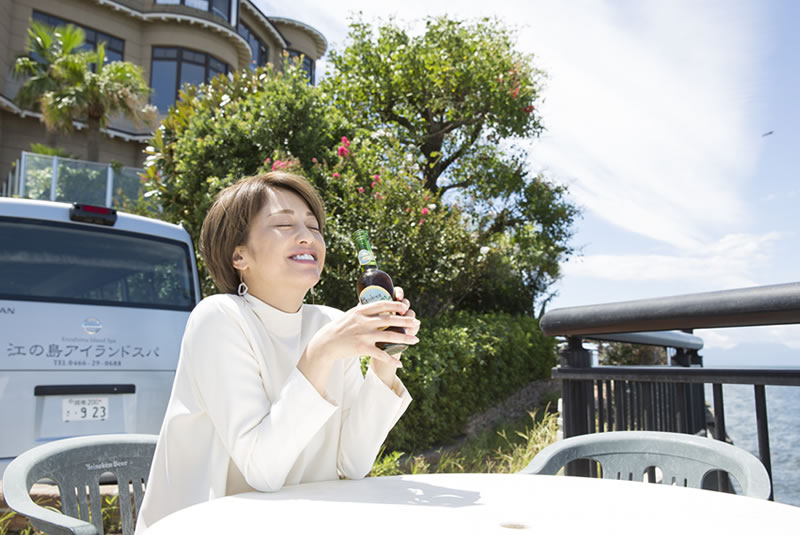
point(242, 417)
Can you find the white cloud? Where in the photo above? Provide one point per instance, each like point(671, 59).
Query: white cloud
point(652, 132)
point(731, 262)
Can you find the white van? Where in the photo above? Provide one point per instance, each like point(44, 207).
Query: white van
point(93, 304)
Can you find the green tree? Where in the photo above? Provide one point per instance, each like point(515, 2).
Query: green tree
point(222, 131)
point(458, 96)
point(47, 53)
point(67, 83)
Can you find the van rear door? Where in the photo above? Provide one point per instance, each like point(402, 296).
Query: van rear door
point(91, 320)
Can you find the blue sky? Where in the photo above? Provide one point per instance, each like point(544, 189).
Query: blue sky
point(656, 114)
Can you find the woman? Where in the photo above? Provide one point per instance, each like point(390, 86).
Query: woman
point(269, 391)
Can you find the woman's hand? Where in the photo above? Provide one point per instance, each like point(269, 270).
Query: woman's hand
point(355, 334)
point(386, 370)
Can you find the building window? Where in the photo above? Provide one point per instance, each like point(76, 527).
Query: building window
point(172, 67)
point(221, 8)
point(115, 48)
point(307, 65)
point(257, 46)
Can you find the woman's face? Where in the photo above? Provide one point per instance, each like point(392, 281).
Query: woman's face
point(285, 251)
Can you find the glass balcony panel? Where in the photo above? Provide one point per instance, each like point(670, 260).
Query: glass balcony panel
point(127, 185)
point(83, 182)
point(38, 176)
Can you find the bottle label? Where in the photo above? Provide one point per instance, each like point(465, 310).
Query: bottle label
point(366, 257)
point(372, 294)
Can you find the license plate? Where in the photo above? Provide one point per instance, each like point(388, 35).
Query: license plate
point(84, 409)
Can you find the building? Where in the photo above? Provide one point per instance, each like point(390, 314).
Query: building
point(174, 41)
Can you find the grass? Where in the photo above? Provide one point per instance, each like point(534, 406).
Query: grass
point(506, 448)
point(109, 509)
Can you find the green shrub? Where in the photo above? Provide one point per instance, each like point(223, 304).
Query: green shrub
point(465, 363)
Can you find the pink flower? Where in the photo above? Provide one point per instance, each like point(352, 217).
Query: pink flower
point(345, 142)
point(313, 160)
point(379, 196)
point(374, 183)
point(421, 221)
point(377, 178)
point(267, 160)
point(361, 190)
point(408, 209)
point(427, 197)
point(425, 211)
point(335, 175)
point(343, 151)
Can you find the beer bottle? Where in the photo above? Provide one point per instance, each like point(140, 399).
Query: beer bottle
point(374, 285)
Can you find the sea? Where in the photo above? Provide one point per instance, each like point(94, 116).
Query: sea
point(783, 416)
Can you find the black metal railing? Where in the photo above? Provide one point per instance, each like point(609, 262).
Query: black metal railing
point(665, 398)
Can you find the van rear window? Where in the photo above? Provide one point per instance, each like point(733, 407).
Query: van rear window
point(48, 261)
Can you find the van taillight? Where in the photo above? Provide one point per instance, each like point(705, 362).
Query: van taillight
point(89, 213)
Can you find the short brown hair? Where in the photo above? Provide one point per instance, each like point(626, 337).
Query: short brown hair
point(227, 223)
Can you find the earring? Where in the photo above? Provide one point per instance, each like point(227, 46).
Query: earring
point(242, 289)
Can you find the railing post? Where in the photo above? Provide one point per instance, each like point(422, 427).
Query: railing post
point(763, 432)
point(680, 358)
point(723, 481)
point(576, 399)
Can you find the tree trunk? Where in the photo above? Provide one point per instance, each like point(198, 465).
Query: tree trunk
point(93, 139)
point(49, 137)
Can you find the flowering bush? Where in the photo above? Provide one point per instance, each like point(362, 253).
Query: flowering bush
point(428, 252)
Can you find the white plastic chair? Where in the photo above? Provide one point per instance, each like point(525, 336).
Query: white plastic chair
point(683, 459)
point(76, 465)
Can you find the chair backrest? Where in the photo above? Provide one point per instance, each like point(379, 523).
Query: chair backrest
point(684, 460)
point(77, 465)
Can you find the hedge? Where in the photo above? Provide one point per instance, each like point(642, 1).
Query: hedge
point(465, 363)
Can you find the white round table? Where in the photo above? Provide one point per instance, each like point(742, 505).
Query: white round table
point(483, 503)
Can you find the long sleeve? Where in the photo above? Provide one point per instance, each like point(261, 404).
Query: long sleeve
point(370, 410)
point(263, 437)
